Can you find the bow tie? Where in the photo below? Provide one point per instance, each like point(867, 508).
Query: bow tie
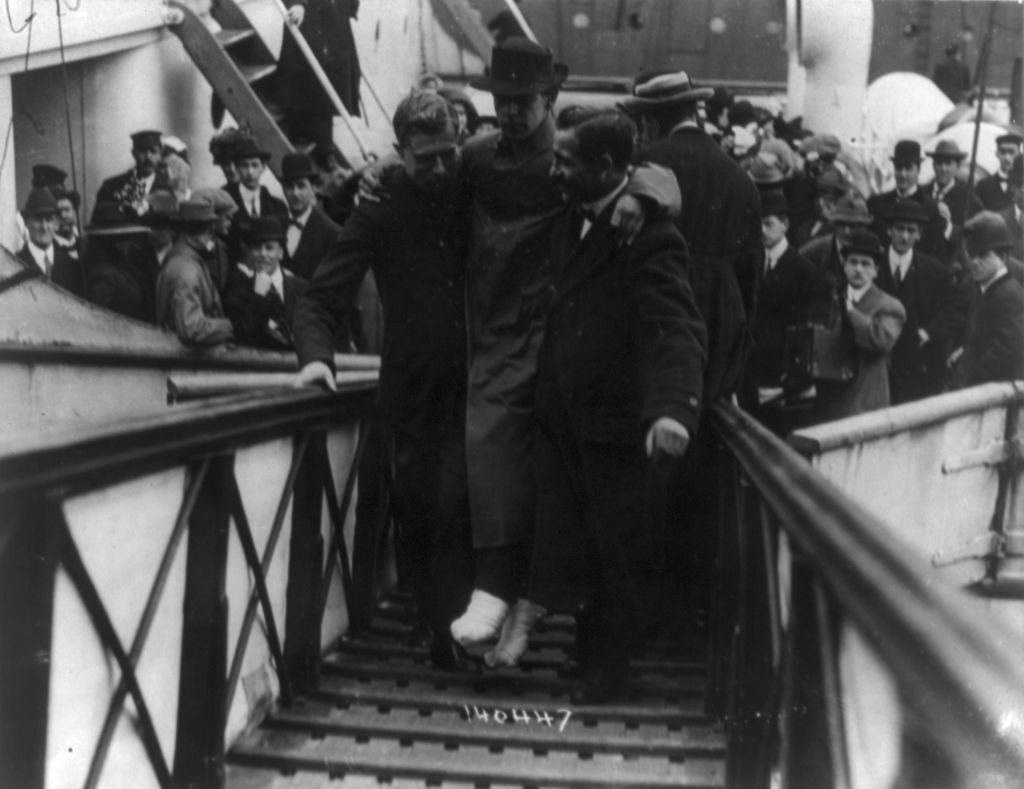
point(296, 223)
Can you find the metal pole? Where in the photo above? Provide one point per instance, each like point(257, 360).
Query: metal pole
point(982, 78)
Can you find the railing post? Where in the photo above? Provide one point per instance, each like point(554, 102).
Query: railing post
point(199, 756)
point(27, 563)
point(306, 558)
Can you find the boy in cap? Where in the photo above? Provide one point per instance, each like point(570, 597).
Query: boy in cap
point(937, 232)
point(261, 295)
point(875, 320)
point(993, 345)
point(996, 191)
point(128, 189)
point(187, 302)
point(40, 251)
point(935, 310)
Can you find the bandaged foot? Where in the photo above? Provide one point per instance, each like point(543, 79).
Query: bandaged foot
point(482, 619)
point(515, 634)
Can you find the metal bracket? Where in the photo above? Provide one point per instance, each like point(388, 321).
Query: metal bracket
point(172, 16)
point(993, 454)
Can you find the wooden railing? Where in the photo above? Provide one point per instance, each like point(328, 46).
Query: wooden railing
point(815, 596)
point(109, 638)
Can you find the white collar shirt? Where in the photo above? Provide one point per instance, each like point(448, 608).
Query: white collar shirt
point(42, 257)
point(250, 199)
point(595, 208)
point(900, 264)
point(294, 233)
point(854, 295)
point(773, 254)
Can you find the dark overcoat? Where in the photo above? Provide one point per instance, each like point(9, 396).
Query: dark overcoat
point(111, 189)
point(416, 250)
point(121, 276)
point(66, 271)
point(262, 321)
point(318, 234)
point(933, 236)
point(992, 195)
point(624, 345)
point(1015, 226)
point(994, 344)
point(933, 303)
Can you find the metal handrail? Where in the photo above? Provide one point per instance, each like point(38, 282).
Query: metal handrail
point(953, 672)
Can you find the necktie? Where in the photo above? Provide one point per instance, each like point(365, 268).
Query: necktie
point(48, 262)
point(254, 210)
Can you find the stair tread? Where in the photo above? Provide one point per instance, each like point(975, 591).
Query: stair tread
point(254, 72)
point(339, 756)
point(532, 729)
point(229, 37)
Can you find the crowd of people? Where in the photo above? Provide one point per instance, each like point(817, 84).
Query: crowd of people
point(563, 298)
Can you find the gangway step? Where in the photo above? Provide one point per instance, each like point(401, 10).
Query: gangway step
point(383, 715)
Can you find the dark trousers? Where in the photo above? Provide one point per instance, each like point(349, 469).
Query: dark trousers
point(431, 509)
point(598, 527)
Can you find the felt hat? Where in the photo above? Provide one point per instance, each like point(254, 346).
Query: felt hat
point(265, 228)
point(986, 231)
point(60, 193)
point(520, 67)
point(47, 176)
point(850, 209)
point(665, 90)
point(193, 211)
point(907, 152)
point(948, 150)
point(297, 165)
point(907, 211)
point(765, 170)
point(221, 201)
point(831, 182)
point(864, 242)
point(147, 139)
point(39, 203)
point(108, 219)
point(248, 148)
point(773, 203)
point(162, 206)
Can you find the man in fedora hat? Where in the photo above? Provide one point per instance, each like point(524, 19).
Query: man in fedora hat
point(187, 301)
point(122, 267)
point(310, 232)
point(261, 295)
point(129, 188)
point(937, 232)
point(946, 190)
point(829, 187)
point(40, 251)
point(996, 192)
point(850, 213)
point(415, 244)
point(934, 307)
point(993, 344)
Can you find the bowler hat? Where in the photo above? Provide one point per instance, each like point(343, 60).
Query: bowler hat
point(1010, 138)
point(249, 149)
point(947, 149)
point(907, 152)
point(39, 203)
point(864, 242)
point(850, 209)
point(773, 203)
point(265, 228)
point(45, 176)
point(147, 139)
point(194, 211)
point(907, 211)
point(665, 90)
point(986, 231)
point(297, 165)
point(519, 67)
point(108, 219)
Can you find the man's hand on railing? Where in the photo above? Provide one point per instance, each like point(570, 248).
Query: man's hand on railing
point(296, 14)
point(668, 436)
point(316, 373)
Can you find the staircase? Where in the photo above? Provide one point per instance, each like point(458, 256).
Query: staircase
point(383, 715)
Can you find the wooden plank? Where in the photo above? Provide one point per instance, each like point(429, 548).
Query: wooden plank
point(418, 695)
point(256, 71)
point(227, 38)
point(340, 757)
point(506, 679)
point(531, 730)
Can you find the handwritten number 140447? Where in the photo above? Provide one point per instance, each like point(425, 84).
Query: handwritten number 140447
point(531, 717)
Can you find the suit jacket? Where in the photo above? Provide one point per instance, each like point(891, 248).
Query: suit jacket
point(994, 346)
point(262, 321)
point(961, 207)
point(269, 206)
point(65, 271)
point(875, 324)
point(417, 251)
point(318, 235)
point(1016, 228)
point(624, 342)
point(187, 301)
point(110, 190)
point(990, 192)
point(933, 303)
point(823, 254)
point(933, 236)
point(790, 294)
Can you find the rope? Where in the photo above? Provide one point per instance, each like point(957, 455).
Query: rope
point(67, 103)
point(28, 51)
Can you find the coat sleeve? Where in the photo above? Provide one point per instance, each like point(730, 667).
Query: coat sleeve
point(672, 334)
point(951, 316)
point(659, 186)
point(327, 302)
point(877, 334)
point(1000, 357)
point(188, 319)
